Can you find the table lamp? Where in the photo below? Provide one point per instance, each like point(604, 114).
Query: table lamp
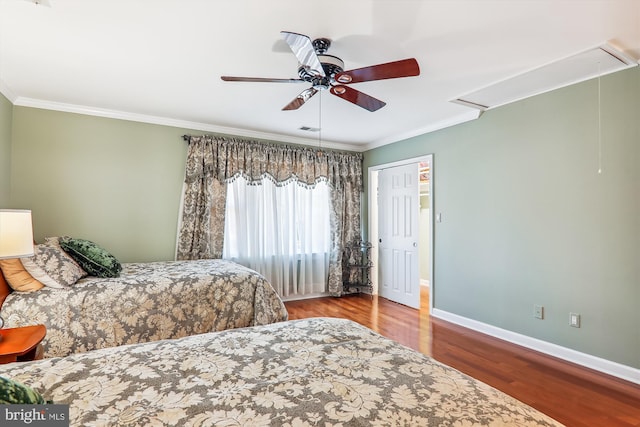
point(16, 235)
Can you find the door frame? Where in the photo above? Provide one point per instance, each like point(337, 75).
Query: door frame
point(373, 219)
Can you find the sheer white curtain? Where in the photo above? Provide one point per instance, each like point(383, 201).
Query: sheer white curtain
point(280, 230)
point(213, 162)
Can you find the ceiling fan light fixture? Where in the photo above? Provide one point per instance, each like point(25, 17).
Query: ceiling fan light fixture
point(321, 83)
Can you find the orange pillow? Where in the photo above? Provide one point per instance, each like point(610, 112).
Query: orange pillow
point(18, 278)
point(5, 290)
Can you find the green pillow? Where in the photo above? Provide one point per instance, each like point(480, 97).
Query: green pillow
point(95, 260)
point(12, 392)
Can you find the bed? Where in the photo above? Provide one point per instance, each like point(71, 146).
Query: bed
point(318, 371)
point(147, 302)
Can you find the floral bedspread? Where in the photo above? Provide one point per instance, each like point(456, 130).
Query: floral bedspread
point(311, 372)
point(148, 302)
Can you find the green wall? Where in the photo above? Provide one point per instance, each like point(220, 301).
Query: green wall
point(115, 182)
point(6, 118)
point(527, 219)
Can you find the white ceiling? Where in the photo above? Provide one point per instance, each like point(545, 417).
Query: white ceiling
point(160, 61)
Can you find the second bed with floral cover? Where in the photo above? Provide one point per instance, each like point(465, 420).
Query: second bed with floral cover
point(148, 302)
point(311, 372)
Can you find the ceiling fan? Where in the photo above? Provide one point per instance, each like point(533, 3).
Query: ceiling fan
point(327, 72)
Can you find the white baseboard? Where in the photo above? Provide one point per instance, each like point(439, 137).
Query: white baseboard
point(308, 296)
point(602, 365)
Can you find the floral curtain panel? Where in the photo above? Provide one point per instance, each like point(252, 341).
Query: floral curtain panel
point(214, 161)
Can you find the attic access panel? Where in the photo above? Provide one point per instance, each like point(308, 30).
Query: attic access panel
point(594, 62)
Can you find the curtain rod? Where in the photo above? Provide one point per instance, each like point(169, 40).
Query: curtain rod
point(186, 137)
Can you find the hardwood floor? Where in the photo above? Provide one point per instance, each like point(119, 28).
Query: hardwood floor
point(574, 395)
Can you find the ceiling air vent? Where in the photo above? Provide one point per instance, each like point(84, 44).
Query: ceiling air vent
point(591, 63)
point(309, 129)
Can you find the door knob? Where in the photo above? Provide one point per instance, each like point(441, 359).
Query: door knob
point(415, 244)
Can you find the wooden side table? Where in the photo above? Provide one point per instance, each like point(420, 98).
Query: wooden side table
point(22, 344)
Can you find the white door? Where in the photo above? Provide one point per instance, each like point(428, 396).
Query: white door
point(398, 211)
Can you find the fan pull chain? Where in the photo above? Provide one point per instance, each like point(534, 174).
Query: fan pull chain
point(320, 124)
point(599, 124)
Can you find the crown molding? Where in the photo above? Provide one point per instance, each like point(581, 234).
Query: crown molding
point(22, 101)
point(166, 121)
point(472, 114)
point(7, 92)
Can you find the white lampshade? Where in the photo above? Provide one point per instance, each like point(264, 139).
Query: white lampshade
point(16, 233)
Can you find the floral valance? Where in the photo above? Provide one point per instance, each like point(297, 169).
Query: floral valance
point(225, 158)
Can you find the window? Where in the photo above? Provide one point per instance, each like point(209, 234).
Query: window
point(280, 230)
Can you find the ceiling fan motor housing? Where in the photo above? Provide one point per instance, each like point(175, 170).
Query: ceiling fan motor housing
point(331, 65)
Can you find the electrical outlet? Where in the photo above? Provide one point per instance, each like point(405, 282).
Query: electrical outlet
point(538, 311)
point(574, 320)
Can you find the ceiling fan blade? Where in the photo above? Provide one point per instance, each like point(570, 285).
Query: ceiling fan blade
point(390, 70)
point(260, 80)
point(300, 99)
point(302, 48)
point(361, 99)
